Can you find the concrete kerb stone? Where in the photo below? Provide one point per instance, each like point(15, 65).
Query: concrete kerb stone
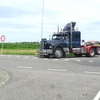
point(4, 77)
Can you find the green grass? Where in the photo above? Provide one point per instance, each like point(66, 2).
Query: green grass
point(20, 48)
point(19, 52)
point(69, 55)
point(21, 45)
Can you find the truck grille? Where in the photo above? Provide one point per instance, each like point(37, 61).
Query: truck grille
point(42, 45)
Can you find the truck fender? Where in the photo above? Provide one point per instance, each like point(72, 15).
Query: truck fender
point(90, 52)
point(58, 46)
point(88, 49)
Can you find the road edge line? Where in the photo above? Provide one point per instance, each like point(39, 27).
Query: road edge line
point(97, 96)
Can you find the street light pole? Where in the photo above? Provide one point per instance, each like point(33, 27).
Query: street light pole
point(42, 20)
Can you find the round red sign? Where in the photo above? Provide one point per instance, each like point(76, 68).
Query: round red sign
point(3, 38)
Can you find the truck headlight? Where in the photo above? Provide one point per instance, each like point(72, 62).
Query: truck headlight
point(50, 47)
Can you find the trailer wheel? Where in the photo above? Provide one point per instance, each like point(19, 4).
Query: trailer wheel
point(91, 53)
point(98, 50)
point(58, 53)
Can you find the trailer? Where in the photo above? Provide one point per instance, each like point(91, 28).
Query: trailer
point(91, 48)
point(67, 41)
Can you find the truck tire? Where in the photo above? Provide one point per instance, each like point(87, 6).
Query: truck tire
point(98, 50)
point(91, 53)
point(58, 53)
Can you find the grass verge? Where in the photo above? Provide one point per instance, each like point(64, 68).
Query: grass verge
point(70, 55)
point(19, 52)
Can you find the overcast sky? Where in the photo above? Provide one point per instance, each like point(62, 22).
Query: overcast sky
point(20, 20)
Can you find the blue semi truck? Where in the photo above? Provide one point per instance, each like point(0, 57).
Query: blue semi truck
point(67, 41)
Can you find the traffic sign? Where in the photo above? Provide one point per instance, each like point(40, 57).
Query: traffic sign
point(3, 38)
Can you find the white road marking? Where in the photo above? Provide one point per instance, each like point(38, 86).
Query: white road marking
point(91, 61)
point(97, 96)
point(9, 56)
point(78, 60)
point(26, 57)
point(66, 60)
point(45, 59)
point(55, 59)
point(35, 57)
point(17, 56)
point(87, 72)
point(2, 55)
point(60, 70)
point(24, 67)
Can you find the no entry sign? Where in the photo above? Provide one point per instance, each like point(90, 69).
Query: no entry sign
point(3, 38)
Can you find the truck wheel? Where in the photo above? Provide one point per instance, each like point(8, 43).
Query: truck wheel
point(58, 53)
point(91, 53)
point(98, 50)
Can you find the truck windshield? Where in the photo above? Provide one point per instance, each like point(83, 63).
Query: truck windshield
point(56, 37)
point(59, 36)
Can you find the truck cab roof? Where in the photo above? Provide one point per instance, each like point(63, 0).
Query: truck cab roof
point(67, 26)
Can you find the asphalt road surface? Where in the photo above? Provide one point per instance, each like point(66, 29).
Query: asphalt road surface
point(34, 78)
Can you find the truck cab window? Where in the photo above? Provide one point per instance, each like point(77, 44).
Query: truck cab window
point(66, 36)
point(77, 36)
point(56, 37)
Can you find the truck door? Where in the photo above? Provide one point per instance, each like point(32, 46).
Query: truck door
point(76, 39)
point(66, 40)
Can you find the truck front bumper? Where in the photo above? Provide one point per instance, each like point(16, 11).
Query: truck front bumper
point(45, 51)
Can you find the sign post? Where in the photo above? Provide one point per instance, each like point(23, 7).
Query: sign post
point(3, 38)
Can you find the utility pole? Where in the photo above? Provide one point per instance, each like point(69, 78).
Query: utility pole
point(42, 20)
point(71, 35)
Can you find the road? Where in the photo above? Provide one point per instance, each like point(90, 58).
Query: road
point(33, 78)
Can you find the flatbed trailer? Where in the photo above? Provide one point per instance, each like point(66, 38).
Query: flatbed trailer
point(90, 49)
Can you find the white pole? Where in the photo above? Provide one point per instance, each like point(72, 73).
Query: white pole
point(42, 19)
point(2, 48)
point(71, 35)
point(58, 28)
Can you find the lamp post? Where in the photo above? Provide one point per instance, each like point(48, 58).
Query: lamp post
point(42, 20)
